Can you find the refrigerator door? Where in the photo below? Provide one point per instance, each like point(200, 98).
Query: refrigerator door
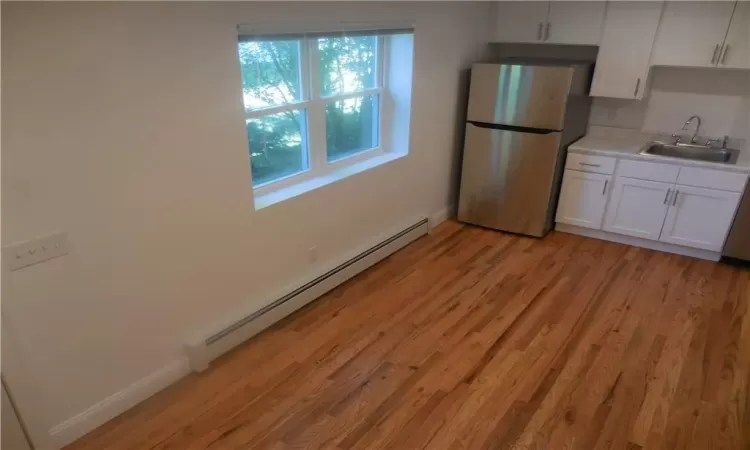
point(737, 245)
point(519, 95)
point(508, 179)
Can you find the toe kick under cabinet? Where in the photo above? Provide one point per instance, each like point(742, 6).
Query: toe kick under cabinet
point(675, 205)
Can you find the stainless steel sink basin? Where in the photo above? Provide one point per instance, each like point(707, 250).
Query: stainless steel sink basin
point(689, 151)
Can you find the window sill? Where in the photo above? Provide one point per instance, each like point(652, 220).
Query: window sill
point(279, 195)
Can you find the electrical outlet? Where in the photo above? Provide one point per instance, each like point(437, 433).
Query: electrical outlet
point(313, 253)
point(26, 253)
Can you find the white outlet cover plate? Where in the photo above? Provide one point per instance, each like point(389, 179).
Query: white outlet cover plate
point(26, 253)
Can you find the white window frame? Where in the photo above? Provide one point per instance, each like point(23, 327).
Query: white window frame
point(312, 103)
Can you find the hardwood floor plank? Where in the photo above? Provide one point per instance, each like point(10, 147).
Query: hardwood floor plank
point(654, 300)
point(474, 339)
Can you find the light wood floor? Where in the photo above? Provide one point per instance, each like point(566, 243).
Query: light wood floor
point(476, 339)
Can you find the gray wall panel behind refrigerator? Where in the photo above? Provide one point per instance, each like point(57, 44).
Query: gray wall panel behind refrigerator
point(737, 245)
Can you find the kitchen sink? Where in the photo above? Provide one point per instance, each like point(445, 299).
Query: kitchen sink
point(690, 151)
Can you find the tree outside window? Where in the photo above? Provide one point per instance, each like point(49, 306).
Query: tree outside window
point(280, 93)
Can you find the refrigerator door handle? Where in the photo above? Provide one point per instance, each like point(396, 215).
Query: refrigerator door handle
point(499, 126)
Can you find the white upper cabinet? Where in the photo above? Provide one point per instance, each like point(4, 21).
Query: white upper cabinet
point(700, 217)
point(622, 64)
point(638, 207)
point(574, 22)
point(549, 22)
point(520, 21)
point(736, 51)
point(692, 33)
point(583, 197)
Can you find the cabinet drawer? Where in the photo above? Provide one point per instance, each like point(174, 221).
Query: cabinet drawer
point(590, 163)
point(713, 179)
point(643, 170)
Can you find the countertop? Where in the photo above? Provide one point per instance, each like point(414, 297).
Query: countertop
point(626, 143)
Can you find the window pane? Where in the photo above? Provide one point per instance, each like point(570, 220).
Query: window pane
point(270, 73)
point(347, 64)
point(351, 126)
point(278, 146)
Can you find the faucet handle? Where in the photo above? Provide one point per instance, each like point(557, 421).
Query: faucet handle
point(724, 141)
point(677, 138)
point(713, 142)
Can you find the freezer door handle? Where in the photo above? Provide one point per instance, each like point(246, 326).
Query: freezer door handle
point(498, 126)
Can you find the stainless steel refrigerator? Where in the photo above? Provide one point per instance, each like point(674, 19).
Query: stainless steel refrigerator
point(520, 120)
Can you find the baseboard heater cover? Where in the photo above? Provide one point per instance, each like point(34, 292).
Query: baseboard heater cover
point(203, 350)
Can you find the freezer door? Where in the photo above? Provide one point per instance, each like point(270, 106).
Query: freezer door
point(524, 96)
point(507, 179)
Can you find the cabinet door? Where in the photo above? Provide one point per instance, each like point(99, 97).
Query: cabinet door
point(736, 52)
point(575, 22)
point(637, 207)
point(691, 33)
point(583, 197)
point(700, 217)
point(622, 64)
point(520, 21)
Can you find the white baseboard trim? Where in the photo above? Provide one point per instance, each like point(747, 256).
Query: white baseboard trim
point(441, 216)
point(198, 358)
point(117, 403)
point(639, 242)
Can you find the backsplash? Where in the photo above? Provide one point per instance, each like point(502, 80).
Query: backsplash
point(720, 97)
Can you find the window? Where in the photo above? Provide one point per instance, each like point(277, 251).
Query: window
point(350, 83)
point(275, 115)
point(319, 101)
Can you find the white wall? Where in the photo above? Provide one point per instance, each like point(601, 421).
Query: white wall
point(123, 126)
point(720, 97)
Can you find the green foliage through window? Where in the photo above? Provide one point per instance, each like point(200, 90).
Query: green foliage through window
point(276, 146)
point(270, 73)
point(272, 78)
point(347, 64)
point(351, 126)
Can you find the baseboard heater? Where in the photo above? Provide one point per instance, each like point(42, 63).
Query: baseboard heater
point(203, 350)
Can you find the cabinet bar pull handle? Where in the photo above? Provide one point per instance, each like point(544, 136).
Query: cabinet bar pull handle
point(666, 197)
point(724, 56)
point(539, 33)
point(590, 165)
point(604, 191)
point(637, 85)
point(713, 58)
point(546, 33)
point(674, 199)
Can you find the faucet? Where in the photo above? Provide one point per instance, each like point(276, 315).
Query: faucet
point(685, 127)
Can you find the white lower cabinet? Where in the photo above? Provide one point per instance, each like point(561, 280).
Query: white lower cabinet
point(583, 198)
point(638, 207)
point(690, 206)
point(699, 217)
